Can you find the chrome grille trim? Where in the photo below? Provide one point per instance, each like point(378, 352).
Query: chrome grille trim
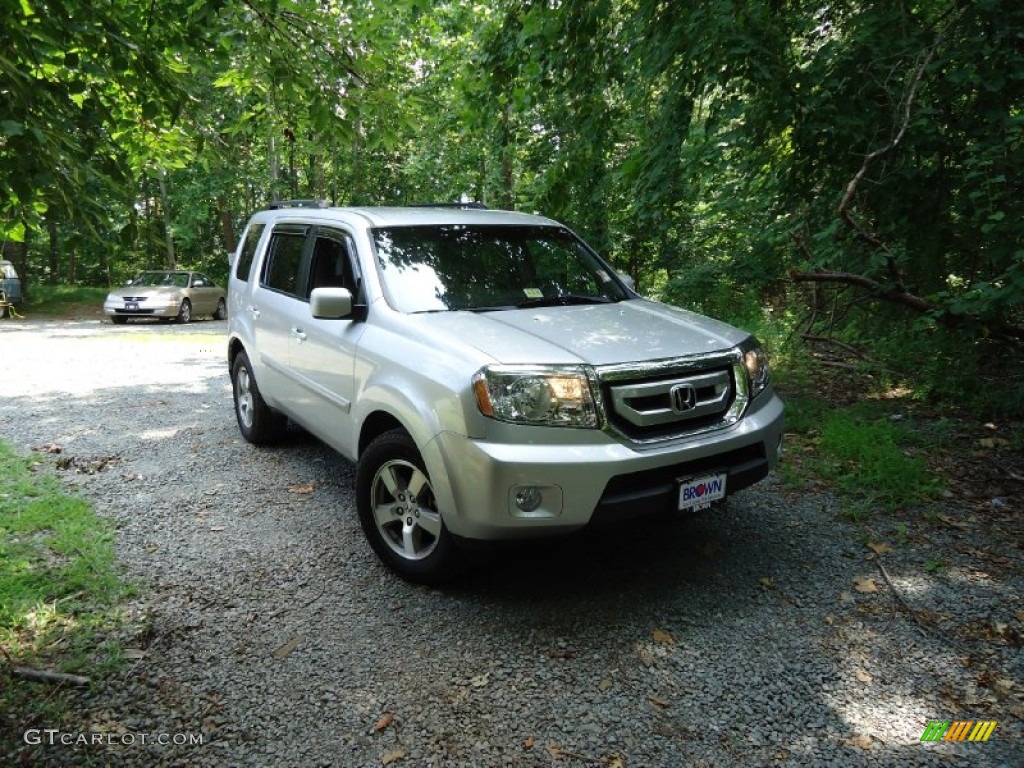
point(719, 380)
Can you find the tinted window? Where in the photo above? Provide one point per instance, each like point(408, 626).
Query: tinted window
point(284, 258)
point(331, 265)
point(252, 238)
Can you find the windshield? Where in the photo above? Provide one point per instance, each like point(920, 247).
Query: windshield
point(150, 279)
point(437, 268)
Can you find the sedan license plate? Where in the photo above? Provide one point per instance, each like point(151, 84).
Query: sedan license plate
point(697, 493)
point(130, 305)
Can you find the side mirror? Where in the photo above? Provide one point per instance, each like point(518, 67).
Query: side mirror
point(330, 303)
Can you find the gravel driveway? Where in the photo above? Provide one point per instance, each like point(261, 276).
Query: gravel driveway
point(763, 632)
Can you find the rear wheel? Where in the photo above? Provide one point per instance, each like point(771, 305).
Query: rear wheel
point(398, 511)
point(257, 421)
point(185, 312)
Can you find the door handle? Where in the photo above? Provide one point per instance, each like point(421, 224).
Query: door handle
point(298, 334)
point(255, 312)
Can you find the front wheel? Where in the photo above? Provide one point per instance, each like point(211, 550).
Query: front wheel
point(257, 421)
point(398, 511)
point(185, 312)
point(118, 319)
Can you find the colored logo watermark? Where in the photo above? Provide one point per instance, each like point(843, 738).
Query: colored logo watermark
point(958, 730)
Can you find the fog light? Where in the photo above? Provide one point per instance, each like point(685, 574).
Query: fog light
point(528, 498)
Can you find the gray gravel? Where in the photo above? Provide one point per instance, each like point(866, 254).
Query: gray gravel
point(265, 626)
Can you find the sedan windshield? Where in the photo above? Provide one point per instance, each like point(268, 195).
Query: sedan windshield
point(151, 279)
point(481, 268)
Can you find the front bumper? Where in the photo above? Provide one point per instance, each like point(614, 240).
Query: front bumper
point(594, 480)
point(147, 308)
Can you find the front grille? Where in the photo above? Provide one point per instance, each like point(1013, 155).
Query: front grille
point(675, 398)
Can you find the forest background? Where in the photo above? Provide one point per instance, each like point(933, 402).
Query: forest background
point(838, 175)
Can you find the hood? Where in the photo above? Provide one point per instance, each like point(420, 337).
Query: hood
point(147, 290)
point(596, 334)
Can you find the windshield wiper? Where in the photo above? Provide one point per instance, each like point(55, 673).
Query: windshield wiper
point(563, 301)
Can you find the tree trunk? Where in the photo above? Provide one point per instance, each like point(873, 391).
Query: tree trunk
point(165, 208)
point(53, 250)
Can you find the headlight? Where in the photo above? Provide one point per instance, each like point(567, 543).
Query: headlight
point(540, 395)
point(756, 362)
point(114, 298)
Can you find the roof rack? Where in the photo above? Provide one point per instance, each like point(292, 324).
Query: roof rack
point(467, 205)
point(277, 204)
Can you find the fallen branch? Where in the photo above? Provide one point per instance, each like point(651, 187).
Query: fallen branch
point(45, 676)
point(849, 278)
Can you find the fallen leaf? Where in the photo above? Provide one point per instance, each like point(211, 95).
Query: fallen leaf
point(862, 741)
point(615, 760)
point(767, 582)
point(663, 637)
point(385, 720)
point(879, 548)
point(305, 488)
point(954, 523)
point(863, 676)
point(604, 686)
point(658, 701)
point(392, 756)
point(528, 744)
point(845, 597)
point(480, 680)
point(646, 657)
point(865, 585)
point(48, 448)
point(133, 653)
point(286, 650)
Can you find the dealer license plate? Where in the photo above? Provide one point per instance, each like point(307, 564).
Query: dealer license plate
point(696, 493)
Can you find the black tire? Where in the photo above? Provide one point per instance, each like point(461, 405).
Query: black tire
point(258, 422)
point(222, 310)
point(185, 312)
point(398, 512)
point(118, 319)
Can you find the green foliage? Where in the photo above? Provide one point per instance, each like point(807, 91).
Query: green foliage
point(704, 148)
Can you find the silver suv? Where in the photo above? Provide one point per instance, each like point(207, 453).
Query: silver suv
point(490, 376)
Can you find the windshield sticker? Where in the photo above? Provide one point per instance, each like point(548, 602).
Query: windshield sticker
point(533, 293)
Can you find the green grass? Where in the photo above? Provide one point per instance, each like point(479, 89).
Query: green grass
point(59, 586)
point(865, 456)
point(61, 299)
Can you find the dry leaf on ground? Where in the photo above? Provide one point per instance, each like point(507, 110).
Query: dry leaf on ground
point(661, 636)
point(879, 547)
point(865, 585)
point(286, 649)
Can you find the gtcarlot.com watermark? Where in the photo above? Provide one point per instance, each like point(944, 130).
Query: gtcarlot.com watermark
point(55, 736)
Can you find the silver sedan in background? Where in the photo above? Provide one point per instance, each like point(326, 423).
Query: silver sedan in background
point(166, 294)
